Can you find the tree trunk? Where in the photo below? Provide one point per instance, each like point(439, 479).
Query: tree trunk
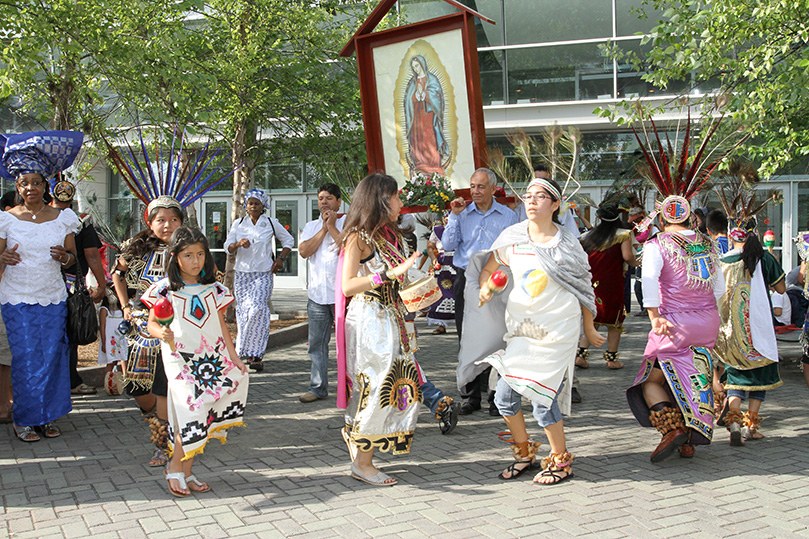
point(61, 93)
point(243, 163)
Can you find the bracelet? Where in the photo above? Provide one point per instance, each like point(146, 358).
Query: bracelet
point(390, 275)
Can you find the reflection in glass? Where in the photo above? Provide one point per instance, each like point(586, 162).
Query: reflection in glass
point(491, 77)
point(543, 21)
point(216, 230)
point(279, 176)
point(628, 23)
point(630, 83)
point(286, 211)
point(560, 73)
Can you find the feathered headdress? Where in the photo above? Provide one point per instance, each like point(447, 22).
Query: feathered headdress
point(675, 171)
point(162, 181)
point(740, 199)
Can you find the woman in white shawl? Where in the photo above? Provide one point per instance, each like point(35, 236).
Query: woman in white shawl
point(551, 294)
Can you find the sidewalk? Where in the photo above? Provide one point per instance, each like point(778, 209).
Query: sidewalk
point(286, 474)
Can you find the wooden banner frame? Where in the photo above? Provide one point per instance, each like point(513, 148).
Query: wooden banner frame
point(365, 44)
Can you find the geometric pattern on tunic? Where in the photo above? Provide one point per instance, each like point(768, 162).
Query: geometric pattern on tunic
point(446, 306)
point(195, 431)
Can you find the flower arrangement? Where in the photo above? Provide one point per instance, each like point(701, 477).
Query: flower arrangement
point(433, 192)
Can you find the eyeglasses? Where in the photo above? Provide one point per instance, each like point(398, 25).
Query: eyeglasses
point(36, 184)
point(539, 197)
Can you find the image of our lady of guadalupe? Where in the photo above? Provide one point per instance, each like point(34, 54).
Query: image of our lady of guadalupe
point(428, 150)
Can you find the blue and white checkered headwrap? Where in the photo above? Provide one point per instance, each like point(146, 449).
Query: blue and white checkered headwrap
point(259, 195)
point(40, 152)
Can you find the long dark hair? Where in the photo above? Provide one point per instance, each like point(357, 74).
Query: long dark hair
point(604, 232)
point(370, 206)
point(752, 251)
point(180, 240)
point(145, 241)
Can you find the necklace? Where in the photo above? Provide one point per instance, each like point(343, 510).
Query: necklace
point(34, 215)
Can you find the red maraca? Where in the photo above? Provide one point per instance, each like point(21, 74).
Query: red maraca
point(164, 314)
point(496, 283)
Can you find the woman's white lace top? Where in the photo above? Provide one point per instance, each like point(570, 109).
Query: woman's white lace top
point(37, 279)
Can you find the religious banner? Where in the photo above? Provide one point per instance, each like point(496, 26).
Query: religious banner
point(420, 89)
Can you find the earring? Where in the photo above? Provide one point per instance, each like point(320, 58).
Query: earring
point(202, 273)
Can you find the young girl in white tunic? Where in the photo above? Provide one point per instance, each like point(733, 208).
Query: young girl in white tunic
point(550, 296)
point(207, 382)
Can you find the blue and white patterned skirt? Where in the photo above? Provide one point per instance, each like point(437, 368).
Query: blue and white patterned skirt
point(252, 291)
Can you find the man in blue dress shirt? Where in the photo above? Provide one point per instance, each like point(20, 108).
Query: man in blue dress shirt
point(472, 228)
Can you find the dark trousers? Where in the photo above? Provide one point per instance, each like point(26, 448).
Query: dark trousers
point(471, 392)
point(457, 289)
point(75, 378)
point(639, 293)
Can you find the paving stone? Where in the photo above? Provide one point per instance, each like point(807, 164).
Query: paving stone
point(287, 475)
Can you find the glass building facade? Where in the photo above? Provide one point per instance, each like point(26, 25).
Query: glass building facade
point(541, 64)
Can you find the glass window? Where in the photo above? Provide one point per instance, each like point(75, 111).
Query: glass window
point(628, 22)
point(542, 21)
point(286, 211)
point(491, 77)
point(630, 83)
point(562, 73)
point(216, 230)
point(488, 35)
point(279, 176)
point(608, 156)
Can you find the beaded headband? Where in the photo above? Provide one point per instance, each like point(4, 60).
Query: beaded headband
point(548, 186)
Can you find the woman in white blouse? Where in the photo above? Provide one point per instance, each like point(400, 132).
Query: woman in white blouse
point(252, 239)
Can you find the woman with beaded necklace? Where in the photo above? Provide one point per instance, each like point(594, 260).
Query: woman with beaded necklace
point(36, 241)
point(378, 376)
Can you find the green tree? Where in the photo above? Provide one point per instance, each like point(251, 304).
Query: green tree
point(60, 57)
point(755, 52)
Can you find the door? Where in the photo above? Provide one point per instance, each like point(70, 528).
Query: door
point(215, 226)
point(291, 213)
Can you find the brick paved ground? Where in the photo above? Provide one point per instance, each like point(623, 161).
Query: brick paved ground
point(287, 473)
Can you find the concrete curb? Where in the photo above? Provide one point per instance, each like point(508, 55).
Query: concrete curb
point(94, 376)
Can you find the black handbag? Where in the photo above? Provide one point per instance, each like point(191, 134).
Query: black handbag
point(82, 319)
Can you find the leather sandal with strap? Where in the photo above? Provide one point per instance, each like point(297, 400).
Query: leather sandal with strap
point(180, 478)
point(26, 434)
point(192, 480)
point(524, 459)
point(553, 466)
point(49, 430)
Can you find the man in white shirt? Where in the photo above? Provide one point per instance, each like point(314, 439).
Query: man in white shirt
point(318, 246)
